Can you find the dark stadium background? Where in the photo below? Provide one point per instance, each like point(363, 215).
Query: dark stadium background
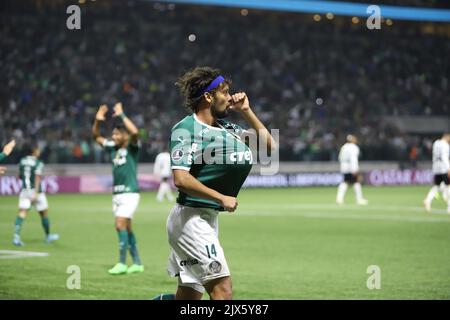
point(316, 81)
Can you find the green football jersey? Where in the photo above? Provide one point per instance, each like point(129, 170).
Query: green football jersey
point(124, 162)
point(216, 156)
point(2, 156)
point(29, 167)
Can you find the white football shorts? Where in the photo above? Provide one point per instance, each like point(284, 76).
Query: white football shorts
point(125, 204)
point(26, 196)
point(196, 256)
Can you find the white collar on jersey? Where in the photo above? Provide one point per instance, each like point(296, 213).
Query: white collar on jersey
point(207, 125)
point(221, 128)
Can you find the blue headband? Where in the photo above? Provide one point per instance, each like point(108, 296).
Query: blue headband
point(214, 84)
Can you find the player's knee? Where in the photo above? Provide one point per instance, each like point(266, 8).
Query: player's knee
point(129, 228)
point(43, 213)
point(120, 225)
point(222, 293)
point(222, 290)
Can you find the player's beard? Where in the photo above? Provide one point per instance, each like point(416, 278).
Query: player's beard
point(218, 114)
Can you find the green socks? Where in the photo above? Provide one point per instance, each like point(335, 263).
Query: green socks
point(45, 225)
point(18, 225)
point(123, 245)
point(164, 296)
point(133, 249)
point(128, 241)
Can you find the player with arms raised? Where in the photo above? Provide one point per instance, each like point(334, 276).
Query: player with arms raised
point(124, 151)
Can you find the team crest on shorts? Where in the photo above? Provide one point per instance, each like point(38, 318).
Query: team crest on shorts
point(215, 267)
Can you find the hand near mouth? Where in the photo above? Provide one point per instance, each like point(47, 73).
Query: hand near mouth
point(239, 102)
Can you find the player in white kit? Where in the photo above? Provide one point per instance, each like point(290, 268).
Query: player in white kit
point(348, 159)
point(164, 171)
point(441, 171)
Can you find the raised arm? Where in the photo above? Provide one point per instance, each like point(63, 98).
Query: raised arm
point(187, 183)
point(99, 117)
point(241, 104)
point(132, 129)
point(7, 149)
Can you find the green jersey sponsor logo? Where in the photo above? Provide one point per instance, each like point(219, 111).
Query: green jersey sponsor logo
point(124, 162)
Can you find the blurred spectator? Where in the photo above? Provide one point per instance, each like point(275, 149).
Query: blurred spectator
point(316, 82)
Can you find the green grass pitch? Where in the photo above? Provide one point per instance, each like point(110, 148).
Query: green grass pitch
point(279, 244)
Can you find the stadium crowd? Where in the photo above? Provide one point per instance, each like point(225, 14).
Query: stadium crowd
point(316, 83)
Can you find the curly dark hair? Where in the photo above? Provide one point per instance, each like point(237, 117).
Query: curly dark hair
point(29, 148)
point(193, 82)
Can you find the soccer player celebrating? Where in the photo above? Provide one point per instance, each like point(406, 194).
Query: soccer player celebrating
point(30, 173)
point(162, 169)
point(7, 149)
point(441, 171)
point(210, 162)
point(348, 158)
point(124, 150)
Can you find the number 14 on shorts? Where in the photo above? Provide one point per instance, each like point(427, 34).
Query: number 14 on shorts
point(211, 250)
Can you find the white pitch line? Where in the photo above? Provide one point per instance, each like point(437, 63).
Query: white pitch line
point(352, 207)
point(14, 254)
point(362, 216)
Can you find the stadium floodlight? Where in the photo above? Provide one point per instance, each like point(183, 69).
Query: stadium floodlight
point(334, 7)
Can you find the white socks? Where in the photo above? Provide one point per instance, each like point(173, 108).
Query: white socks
point(431, 194)
point(164, 190)
point(358, 191)
point(342, 189)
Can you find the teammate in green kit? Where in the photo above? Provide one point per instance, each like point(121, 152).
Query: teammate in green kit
point(31, 193)
point(210, 161)
point(7, 149)
point(124, 150)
